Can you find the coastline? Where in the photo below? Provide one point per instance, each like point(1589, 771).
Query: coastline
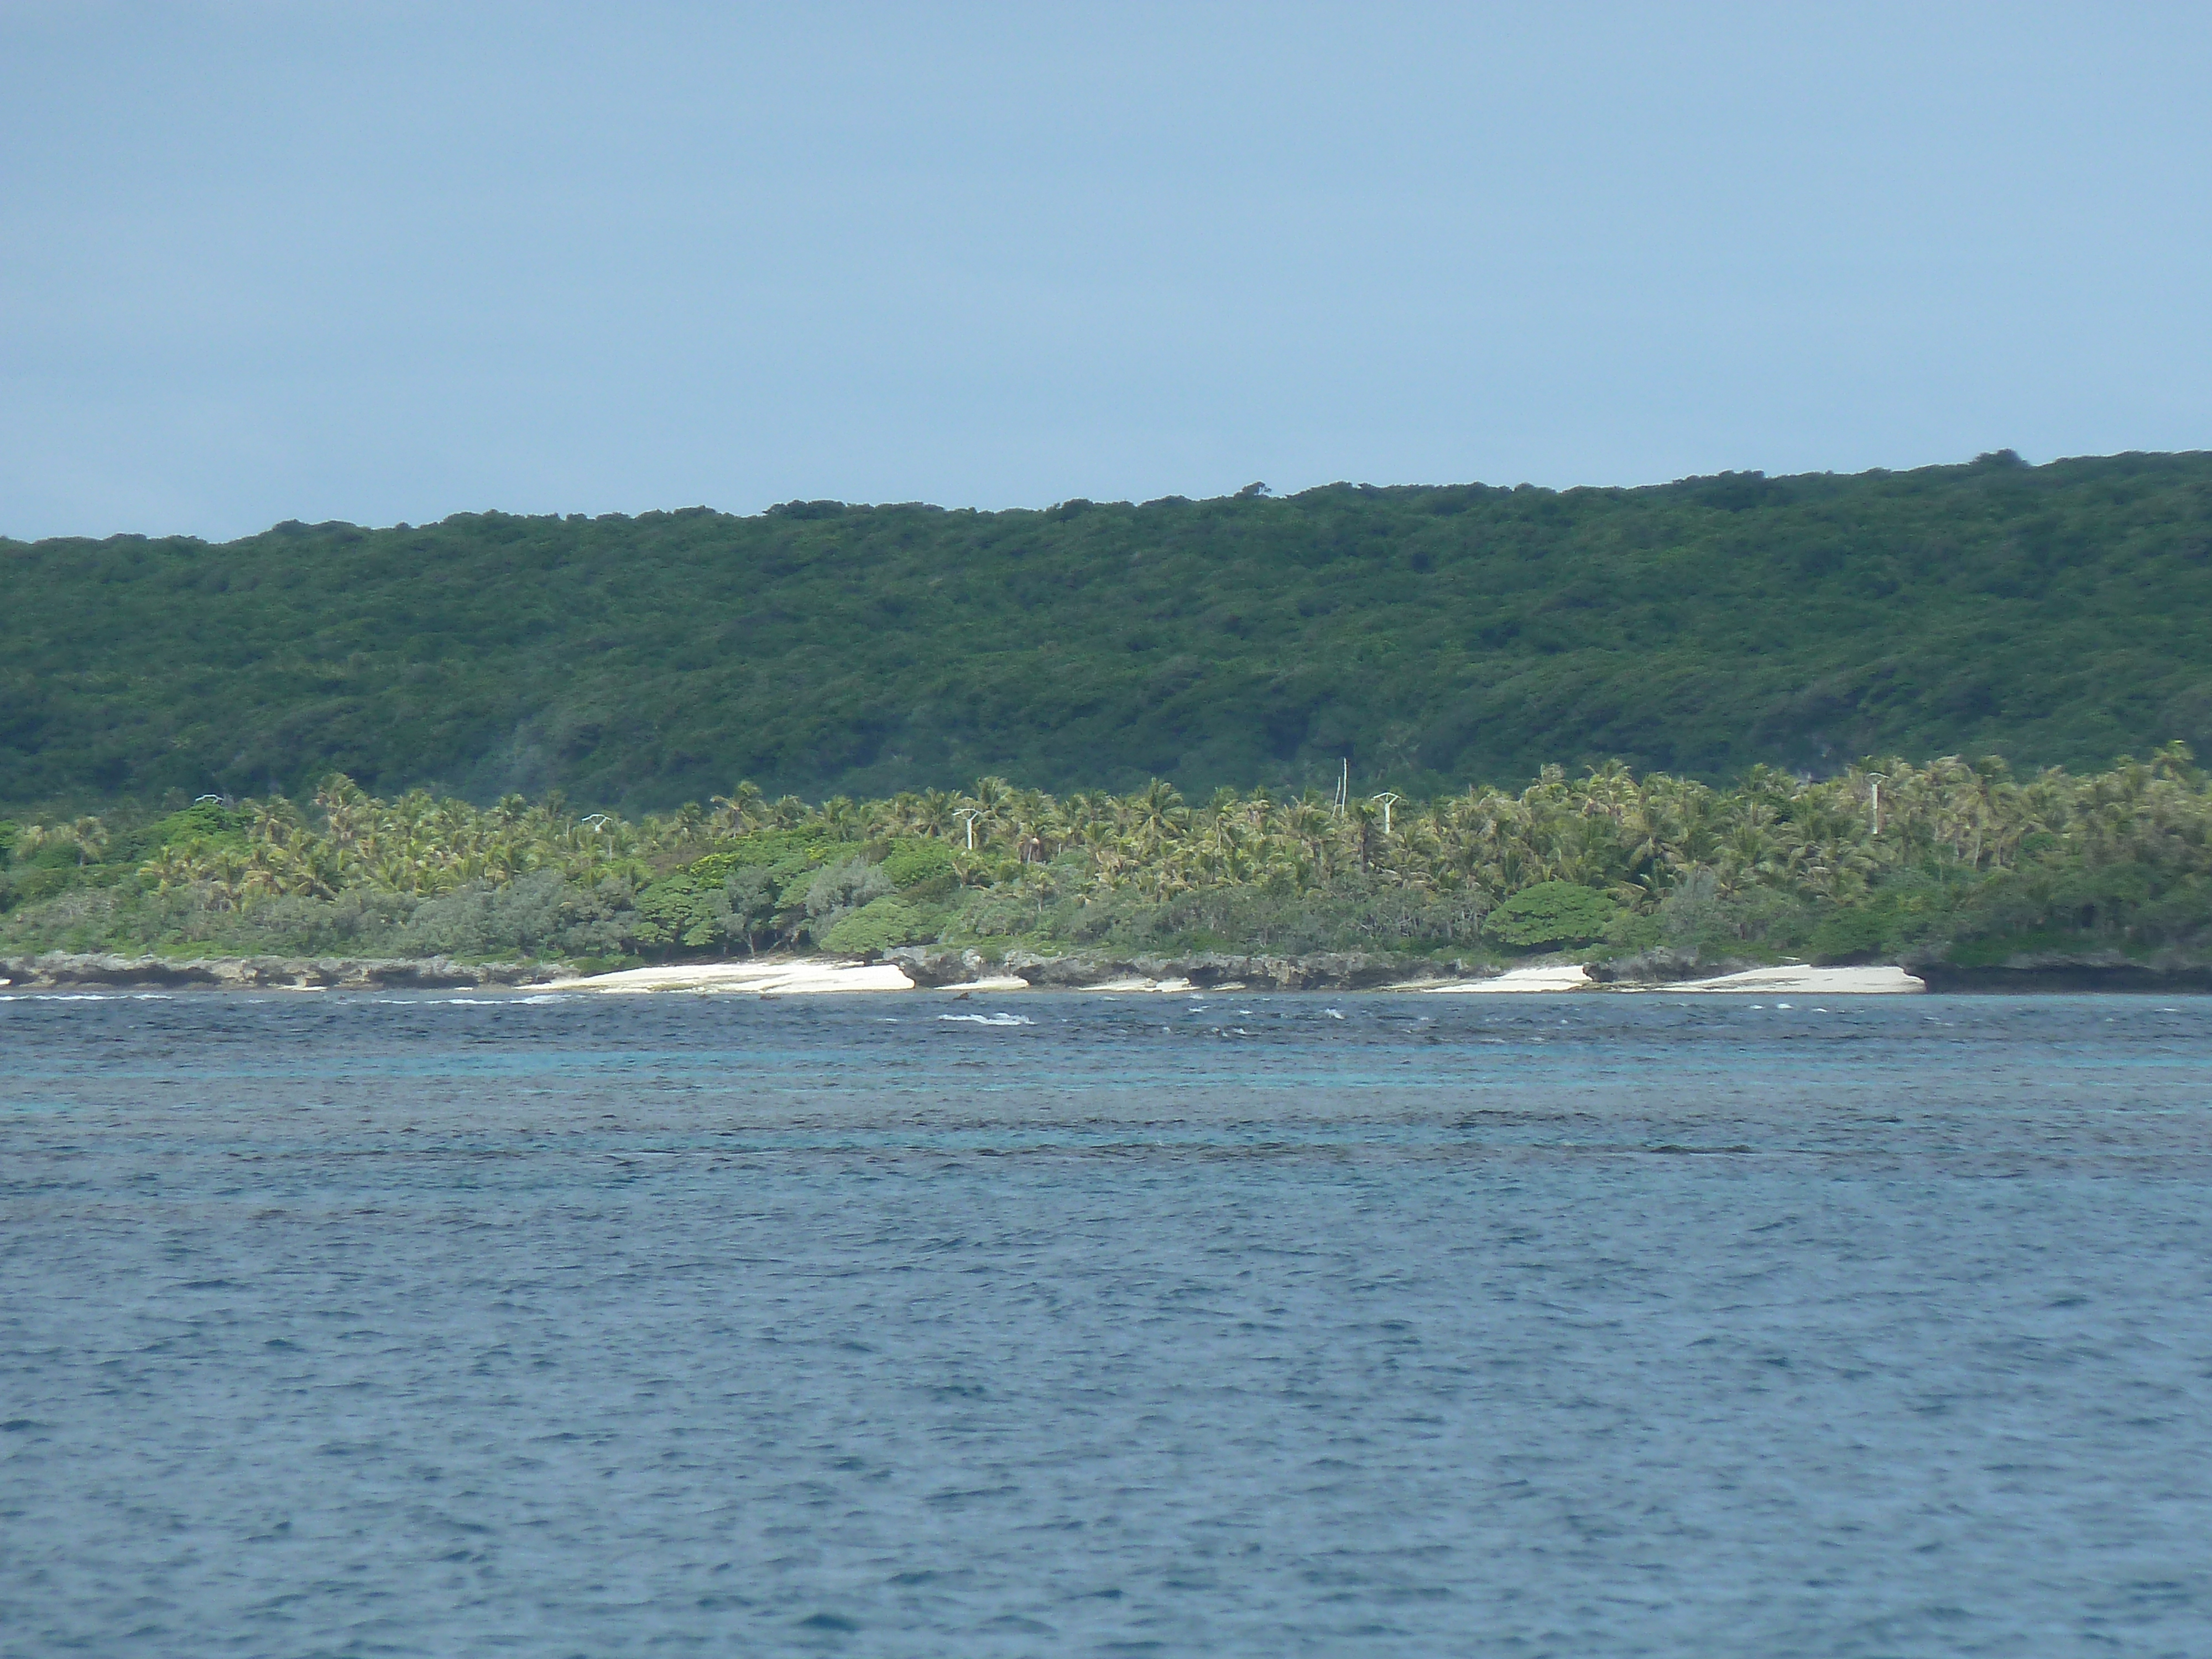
point(966, 974)
point(93, 970)
point(936, 969)
point(790, 976)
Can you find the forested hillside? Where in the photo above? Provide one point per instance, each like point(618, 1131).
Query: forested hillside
point(2059, 614)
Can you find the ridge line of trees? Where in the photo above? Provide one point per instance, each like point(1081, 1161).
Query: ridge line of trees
point(2057, 615)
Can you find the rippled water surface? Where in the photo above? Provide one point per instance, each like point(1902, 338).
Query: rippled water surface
point(1243, 1325)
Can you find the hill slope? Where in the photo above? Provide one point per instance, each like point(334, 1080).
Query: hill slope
point(2052, 614)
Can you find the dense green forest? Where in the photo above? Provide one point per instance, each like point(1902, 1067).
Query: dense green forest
point(1433, 636)
point(1949, 861)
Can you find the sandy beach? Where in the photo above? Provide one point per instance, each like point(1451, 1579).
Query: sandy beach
point(815, 978)
point(767, 979)
point(1795, 981)
point(1570, 976)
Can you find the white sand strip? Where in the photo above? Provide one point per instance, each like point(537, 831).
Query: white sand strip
point(1571, 976)
point(1808, 982)
point(806, 978)
point(767, 979)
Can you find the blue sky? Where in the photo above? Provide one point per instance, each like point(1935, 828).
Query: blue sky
point(385, 262)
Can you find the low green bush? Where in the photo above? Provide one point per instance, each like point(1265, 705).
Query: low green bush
point(877, 926)
point(1551, 912)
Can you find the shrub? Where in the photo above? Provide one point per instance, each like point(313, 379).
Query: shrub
point(877, 926)
point(1850, 935)
point(1551, 912)
point(913, 863)
point(845, 886)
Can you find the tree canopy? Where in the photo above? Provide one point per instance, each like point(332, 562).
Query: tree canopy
point(1946, 860)
point(1433, 636)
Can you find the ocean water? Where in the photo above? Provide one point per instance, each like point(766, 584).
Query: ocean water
point(1218, 1325)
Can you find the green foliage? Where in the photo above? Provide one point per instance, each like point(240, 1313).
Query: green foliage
point(201, 827)
point(785, 852)
point(1945, 858)
point(2056, 614)
point(673, 911)
point(1553, 913)
point(839, 893)
point(877, 926)
point(1852, 936)
point(918, 864)
point(694, 911)
point(750, 892)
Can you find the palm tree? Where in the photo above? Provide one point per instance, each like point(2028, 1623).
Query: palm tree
point(89, 836)
point(738, 811)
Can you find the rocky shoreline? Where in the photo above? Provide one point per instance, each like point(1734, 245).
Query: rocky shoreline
point(931, 966)
point(928, 967)
point(935, 966)
point(2068, 974)
point(60, 970)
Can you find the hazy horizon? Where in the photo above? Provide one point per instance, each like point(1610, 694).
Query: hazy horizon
point(391, 262)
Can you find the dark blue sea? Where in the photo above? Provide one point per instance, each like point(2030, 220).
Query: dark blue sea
point(1068, 1325)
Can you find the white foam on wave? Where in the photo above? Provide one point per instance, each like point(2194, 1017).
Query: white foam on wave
point(989, 1019)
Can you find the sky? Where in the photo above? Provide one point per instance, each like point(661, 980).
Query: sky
point(386, 262)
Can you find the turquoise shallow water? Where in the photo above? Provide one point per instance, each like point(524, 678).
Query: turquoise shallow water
point(1069, 1325)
